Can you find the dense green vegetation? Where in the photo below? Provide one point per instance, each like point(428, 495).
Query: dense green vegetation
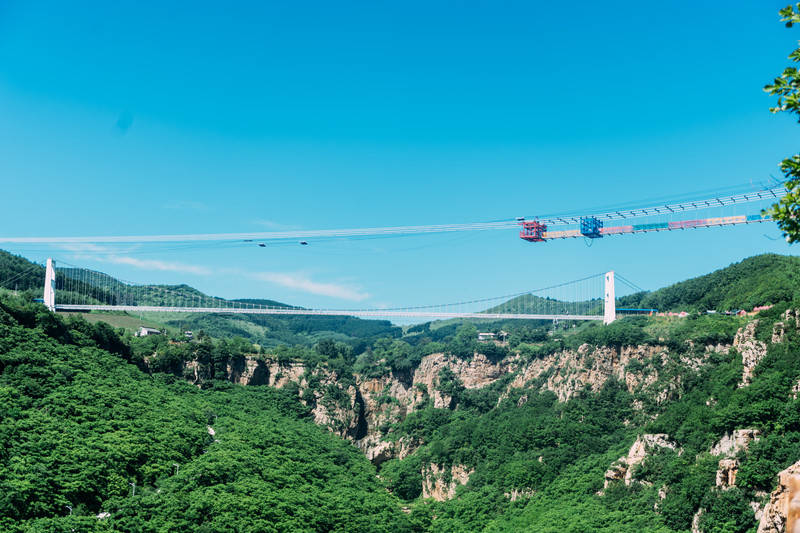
point(81, 286)
point(19, 274)
point(787, 88)
point(88, 412)
point(760, 280)
point(560, 451)
point(80, 427)
point(272, 330)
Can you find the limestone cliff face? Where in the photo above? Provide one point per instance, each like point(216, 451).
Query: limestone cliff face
point(782, 513)
point(341, 415)
point(474, 374)
point(728, 447)
point(362, 412)
point(364, 409)
point(731, 444)
point(623, 468)
point(248, 371)
point(567, 372)
point(519, 494)
point(388, 399)
point(791, 317)
point(751, 349)
point(754, 350)
point(440, 483)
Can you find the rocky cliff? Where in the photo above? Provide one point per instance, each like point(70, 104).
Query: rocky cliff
point(440, 483)
point(366, 409)
point(782, 513)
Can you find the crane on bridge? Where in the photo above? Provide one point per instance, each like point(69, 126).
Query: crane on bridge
point(666, 217)
point(705, 213)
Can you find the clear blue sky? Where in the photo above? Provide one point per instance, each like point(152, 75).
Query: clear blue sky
point(136, 118)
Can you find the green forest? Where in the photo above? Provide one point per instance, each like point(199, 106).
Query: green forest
point(86, 432)
point(103, 431)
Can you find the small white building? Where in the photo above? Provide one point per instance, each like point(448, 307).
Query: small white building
point(144, 332)
point(488, 336)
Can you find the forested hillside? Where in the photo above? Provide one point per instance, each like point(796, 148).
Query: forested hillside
point(17, 273)
point(652, 423)
point(760, 280)
point(84, 432)
point(73, 286)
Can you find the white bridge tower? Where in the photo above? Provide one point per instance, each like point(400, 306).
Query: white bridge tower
point(50, 285)
point(610, 306)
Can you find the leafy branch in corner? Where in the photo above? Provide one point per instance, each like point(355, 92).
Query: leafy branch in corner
point(787, 87)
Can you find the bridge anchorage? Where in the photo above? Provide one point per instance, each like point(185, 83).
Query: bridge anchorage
point(74, 289)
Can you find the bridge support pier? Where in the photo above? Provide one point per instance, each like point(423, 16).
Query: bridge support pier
point(50, 285)
point(610, 304)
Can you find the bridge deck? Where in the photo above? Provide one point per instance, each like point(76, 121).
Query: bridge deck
point(321, 312)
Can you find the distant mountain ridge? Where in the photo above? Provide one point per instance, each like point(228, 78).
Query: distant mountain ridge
point(18, 273)
point(759, 280)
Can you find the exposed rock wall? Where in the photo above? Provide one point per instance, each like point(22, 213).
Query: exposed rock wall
point(440, 483)
point(623, 468)
point(751, 349)
point(569, 371)
point(519, 494)
point(782, 513)
point(726, 473)
point(728, 447)
point(790, 317)
point(364, 410)
point(474, 374)
point(248, 371)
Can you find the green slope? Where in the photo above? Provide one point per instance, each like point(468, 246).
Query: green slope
point(265, 330)
point(759, 280)
point(80, 427)
point(530, 303)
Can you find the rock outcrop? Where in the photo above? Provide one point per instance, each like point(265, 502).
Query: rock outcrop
point(248, 371)
point(782, 513)
point(388, 399)
point(696, 521)
point(751, 349)
point(726, 473)
point(790, 316)
point(440, 483)
point(366, 409)
point(476, 373)
point(623, 468)
point(568, 372)
point(728, 447)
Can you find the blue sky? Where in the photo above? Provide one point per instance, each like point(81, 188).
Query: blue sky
point(138, 118)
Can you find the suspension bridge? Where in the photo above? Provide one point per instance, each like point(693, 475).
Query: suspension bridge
point(74, 289)
point(590, 298)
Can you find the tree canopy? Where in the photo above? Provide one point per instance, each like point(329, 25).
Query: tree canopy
point(787, 88)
